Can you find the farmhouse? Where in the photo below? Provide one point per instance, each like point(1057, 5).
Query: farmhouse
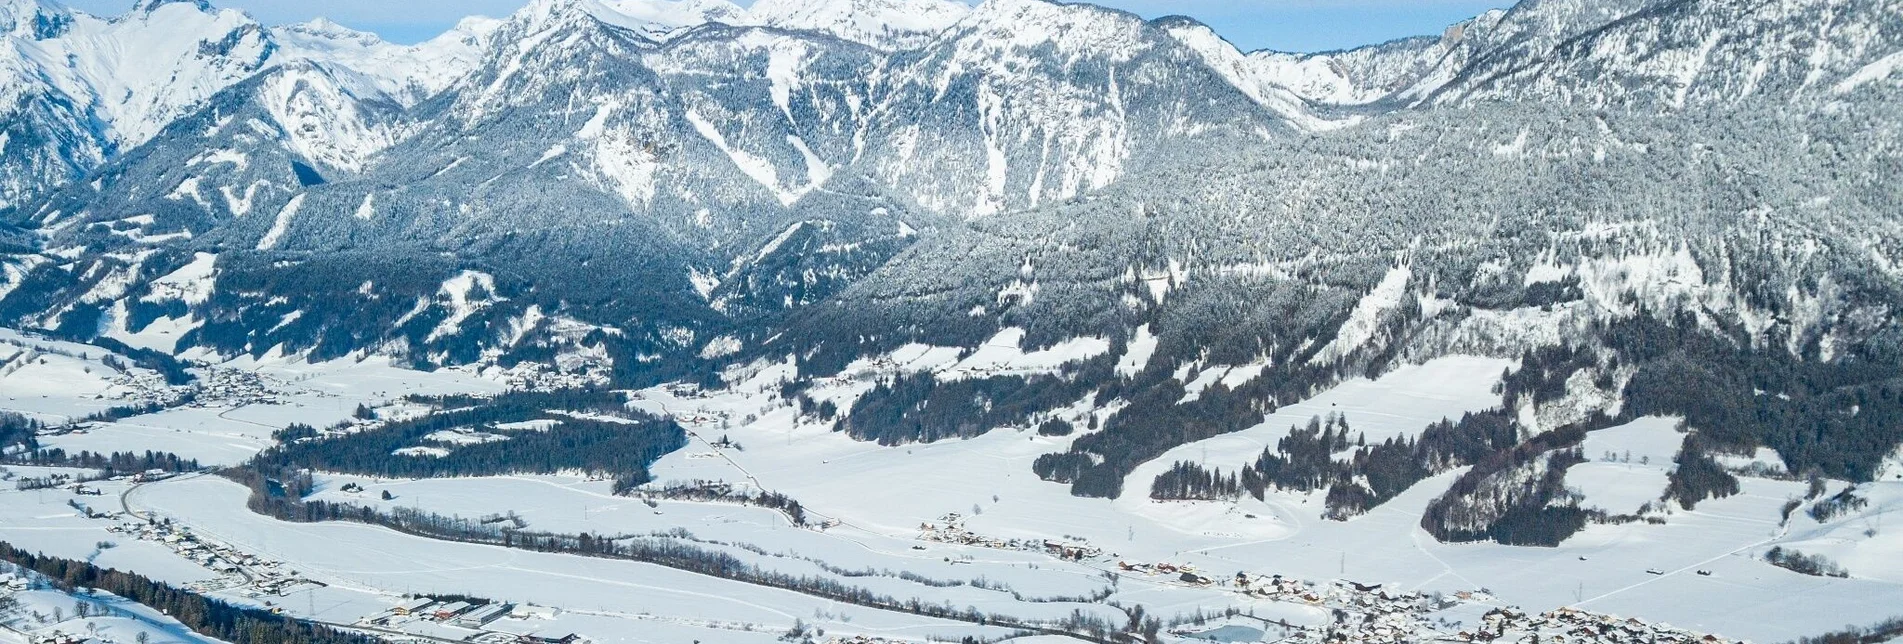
point(447, 611)
point(412, 606)
point(481, 616)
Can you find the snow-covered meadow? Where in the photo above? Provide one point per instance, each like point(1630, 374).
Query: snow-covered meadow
point(372, 560)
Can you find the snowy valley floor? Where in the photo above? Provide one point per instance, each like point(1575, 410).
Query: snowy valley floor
point(890, 510)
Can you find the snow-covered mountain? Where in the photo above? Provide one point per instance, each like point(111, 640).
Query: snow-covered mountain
point(1368, 74)
point(701, 189)
point(678, 13)
point(1026, 102)
point(1410, 69)
point(81, 88)
point(654, 19)
point(705, 133)
point(1673, 55)
point(885, 24)
point(405, 73)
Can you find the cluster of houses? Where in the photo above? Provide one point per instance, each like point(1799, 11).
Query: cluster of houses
point(88, 512)
point(544, 379)
point(217, 387)
point(1364, 613)
point(221, 387)
point(140, 387)
point(1374, 614)
point(1184, 573)
point(951, 529)
point(702, 418)
point(261, 577)
point(1336, 594)
point(1573, 626)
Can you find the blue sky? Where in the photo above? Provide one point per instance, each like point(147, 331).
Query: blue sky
point(1290, 25)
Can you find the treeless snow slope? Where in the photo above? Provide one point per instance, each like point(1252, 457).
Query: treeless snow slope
point(1628, 466)
point(55, 381)
point(1858, 540)
point(1401, 403)
point(194, 433)
point(316, 394)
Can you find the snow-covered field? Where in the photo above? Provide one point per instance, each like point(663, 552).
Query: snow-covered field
point(55, 381)
point(210, 435)
point(366, 558)
point(572, 505)
point(244, 401)
point(1627, 465)
point(1858, 541)
point(43, 520)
